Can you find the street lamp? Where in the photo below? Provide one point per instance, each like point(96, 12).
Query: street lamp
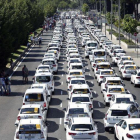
point(105, 17)
point(119, 23)
point(100, 16)
point(111, 19)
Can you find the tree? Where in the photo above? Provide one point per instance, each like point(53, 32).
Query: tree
point(63, 5)
point(108, 16)
point(85, 8)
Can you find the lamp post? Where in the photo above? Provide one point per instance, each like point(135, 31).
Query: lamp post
point(100, 16)
point(119, 22)
point(105, 17)
point(111, 19)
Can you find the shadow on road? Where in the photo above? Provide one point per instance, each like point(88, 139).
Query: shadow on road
point(52, 127)
point(55, 113)
point(55, 101)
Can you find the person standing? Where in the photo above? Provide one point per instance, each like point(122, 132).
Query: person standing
point(25, 73)
point(1, 89)
point(11, 63)
point(3, 83)
point(8, 83)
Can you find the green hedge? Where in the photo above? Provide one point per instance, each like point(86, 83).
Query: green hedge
point(115, 33)
point(129, 42)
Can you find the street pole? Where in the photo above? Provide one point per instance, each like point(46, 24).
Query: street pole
point(100, 16)
point(135, 43)
point(111, 19)
point(119, 23)
point(105, 17)
point(137, 48)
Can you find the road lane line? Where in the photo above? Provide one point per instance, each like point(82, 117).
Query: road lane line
point(99, 104)
point(95, 92)
point(61, 105)
point(21, 61)
point(62, 83)
point(61, 92)
point(62, 75)
point(89, 74)
point(60, 122)
point(92, 82)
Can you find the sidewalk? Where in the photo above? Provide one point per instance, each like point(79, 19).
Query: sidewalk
point(130, 52)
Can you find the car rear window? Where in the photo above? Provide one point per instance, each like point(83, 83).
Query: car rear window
point(74, 61)
point(114, 82)
point(116, 90)
point(134, 126)
point(80, 99)
point(43, 68)
point(130, 67)
point(42, 79)
point(98, 61)
point(99, 53)
point(92, 44)
point(29, 111)
point(106, 72)
point(77, 67)
point(122, 100)
point(34, 97)
point(103, 67)
point(77, 81)
point(78, 91)
point(48, 62)
point(30, 129)
point(119, 113)
point(76, 110)
point(81, 127)
point(76, 73)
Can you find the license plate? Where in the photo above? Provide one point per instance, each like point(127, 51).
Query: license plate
point(29, 137)
point(79, 133)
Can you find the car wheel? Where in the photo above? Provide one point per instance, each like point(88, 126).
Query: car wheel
point(134, 84)
point(99, 84)
point(115, 135)
point(106, 129)
point(131, 82)
point(65, 129)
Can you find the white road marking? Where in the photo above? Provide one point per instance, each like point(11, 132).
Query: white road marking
point(92, 82)
point(60, 122)
point(62, 83)
point(63, 63)
point(99, 104)
point(89, 74)
point(21, 61)
point(61, 105)
point(95, 92)
point(62, 74)
point(61, 92)
point(87, 67)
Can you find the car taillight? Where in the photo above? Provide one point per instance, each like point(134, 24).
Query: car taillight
point(44, 104)
point(129, 136)
point(106, 116)
point(105, 85)
point(70, 87)
point(23, 103)
point(39, 117)
point(128, 115)
point(90, 105)
point(92, 133)
point(101, 77)
point(109, 95)
point(96, 69)
point(42, 135)
point(71, 92)
point(17, 135)
point(69, 78)
point(72, 133)
point(18, 118)
point(54, 65)
point(94, 65)
point(137, 77)
point(124, 71)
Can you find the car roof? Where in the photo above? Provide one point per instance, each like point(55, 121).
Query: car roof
point(123, 96)
point(115, 86)
point(102, 63)
point(82, 120)
point(120, 106)
point(36, 90)
point(113, 78)
point(77, 79)
point(76, 63)
point(43, 74)
point(77, 105)
point(75, 70)
point(132, 120)
point(79, 95)
point(48, 59)
point(31, 106)
point(30, 121)
point(81, 86)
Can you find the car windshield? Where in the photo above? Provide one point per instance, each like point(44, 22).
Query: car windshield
point(92, 44)
point(80, 99)
point(114, 82)
point(81, 127)
point(98, 61)
point(78, 91)
point(77, 81)
point(75, 61)
point(106, 72)
point(76, 73)
point(77, 67)
point(108, 43)
point(52, 45)
point(119, 51)
point(138, 74)
point(119, 113)
point(30, 129)
point(43, 68)
point(29, 111)
point(43, 79)
point(129, 63)
point(122, 100)
point(116, 90)
point(103, 66)
point(34, 97)
point(130, 67)
point(76, 111)
point(126, 58)
point(48, 62)
point(134, 126)
point(100, 53)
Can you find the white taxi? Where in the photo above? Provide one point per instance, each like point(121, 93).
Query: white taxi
point(74, 60)
point(32, 111)
point(31, 129)
point(44, 68)
point(127, 129)
point(76, 66)
point(81, 128)
point(95, 61)
point(104, 73)
point(135, 78)
point(74, 55)
point(118, 112)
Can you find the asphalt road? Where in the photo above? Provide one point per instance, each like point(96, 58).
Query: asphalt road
point(9, 105)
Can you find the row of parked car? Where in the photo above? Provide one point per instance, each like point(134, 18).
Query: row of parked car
point(31, 122)
point(123, 114)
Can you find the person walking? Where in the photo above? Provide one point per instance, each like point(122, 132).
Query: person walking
point(36, 41)
point(1, 89)
point(25, 73)
point(8, 83)
point(3, 83)
point(40, 40)
point(11, 63)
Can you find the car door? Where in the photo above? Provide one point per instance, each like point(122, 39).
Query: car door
point(121, 130)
